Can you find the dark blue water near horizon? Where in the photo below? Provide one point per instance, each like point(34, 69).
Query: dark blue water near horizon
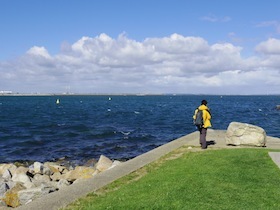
point(35, 128)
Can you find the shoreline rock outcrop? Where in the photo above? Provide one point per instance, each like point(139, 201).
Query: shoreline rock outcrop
point(20, 185)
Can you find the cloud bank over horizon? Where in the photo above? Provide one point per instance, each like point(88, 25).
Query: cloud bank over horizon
point(174, 64)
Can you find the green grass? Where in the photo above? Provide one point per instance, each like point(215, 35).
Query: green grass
point(212, 179)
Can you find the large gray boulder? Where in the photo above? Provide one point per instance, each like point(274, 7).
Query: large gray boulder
point(245, 134)
point(80, 172)
point(7, 174)
point(103, 163)
point(24, 179)
point(10, 166)
point(3, 188)
point(27, 195)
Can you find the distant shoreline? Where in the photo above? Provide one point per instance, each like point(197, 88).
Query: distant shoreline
point(84, 94)
point(126, 94)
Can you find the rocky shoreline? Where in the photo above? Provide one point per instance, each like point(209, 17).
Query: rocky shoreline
point(21, 184)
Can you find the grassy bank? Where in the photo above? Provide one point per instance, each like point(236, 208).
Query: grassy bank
point(212, 179)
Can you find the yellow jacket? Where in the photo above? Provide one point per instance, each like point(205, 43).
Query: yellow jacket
point(206, 115)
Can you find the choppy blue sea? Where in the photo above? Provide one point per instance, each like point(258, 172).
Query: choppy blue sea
point(35, 128)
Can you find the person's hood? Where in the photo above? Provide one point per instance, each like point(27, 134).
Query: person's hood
point(202, 107)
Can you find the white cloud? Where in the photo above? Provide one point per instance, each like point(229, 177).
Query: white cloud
point(271, 46)
point(273, 23)
point(38, 51)
point(178, 44)
point(176, 64)
point(214, 18)
point(105, 51)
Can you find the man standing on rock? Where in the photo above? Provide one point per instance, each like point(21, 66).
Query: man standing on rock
point(202, 125)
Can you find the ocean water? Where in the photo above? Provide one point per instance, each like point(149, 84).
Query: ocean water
point(35, 128)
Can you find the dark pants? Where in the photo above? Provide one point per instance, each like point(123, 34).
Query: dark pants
point(202, 137)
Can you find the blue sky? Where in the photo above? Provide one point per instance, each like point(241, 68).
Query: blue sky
point(122, 46)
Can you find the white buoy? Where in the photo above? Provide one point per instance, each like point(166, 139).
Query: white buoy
point(57, 101)
point(110, 99)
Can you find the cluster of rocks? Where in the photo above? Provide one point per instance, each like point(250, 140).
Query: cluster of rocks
point(20, 185)
point(245, 134)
